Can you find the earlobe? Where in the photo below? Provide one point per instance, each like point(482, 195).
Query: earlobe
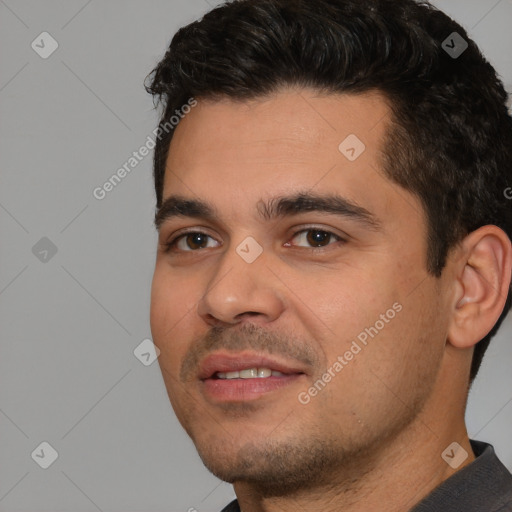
point(482, 285)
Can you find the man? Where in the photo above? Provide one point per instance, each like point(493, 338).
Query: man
point(334, 252)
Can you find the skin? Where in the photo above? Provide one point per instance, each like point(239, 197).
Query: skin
point(372, 438)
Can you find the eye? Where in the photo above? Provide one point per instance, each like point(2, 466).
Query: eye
point(192, 240)
point(317, 238)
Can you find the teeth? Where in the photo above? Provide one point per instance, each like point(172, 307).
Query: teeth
point(250, 373)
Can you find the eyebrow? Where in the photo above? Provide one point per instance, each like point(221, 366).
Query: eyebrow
point(274, 208)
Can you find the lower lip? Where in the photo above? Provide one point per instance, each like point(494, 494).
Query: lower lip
point(242, 390)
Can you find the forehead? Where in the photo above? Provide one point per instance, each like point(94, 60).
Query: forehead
point(289, 125)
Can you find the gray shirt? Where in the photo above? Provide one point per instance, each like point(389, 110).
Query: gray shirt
point(484, 485)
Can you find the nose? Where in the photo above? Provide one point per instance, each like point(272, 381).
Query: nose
point(239, 290)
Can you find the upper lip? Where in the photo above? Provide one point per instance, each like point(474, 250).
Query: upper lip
point(231, 362)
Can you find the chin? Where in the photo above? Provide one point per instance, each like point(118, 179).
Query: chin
point(272, 467)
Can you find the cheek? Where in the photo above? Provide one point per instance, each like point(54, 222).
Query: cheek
point(161, 302)
point(350, 301)
point(168, 297)
point(401, 361)
point(373, 318)
point(164, 317)
point(167, 315)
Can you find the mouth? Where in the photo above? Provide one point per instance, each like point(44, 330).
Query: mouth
point(228, 377)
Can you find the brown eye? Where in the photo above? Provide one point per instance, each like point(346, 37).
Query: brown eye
point(196, 240)
point(189, 242)
point(316, 237)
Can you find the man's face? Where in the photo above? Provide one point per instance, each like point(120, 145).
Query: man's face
point(296, 292)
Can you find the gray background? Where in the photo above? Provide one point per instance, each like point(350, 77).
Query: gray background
point(69, 325)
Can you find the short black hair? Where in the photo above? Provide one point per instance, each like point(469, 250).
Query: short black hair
point(450, 139)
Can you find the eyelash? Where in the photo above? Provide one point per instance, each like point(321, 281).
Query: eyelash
point(169, 246)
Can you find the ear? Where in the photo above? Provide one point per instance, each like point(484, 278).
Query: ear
point(482, 283)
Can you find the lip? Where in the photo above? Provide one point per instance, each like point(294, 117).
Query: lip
point(244, 390)
point(230, 362)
